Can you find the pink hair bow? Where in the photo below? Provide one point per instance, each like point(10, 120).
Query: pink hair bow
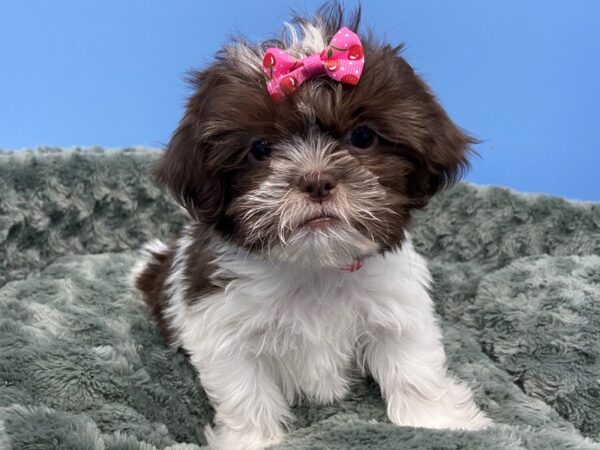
point(342, 60)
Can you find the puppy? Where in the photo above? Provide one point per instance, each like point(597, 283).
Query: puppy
point(299, 162)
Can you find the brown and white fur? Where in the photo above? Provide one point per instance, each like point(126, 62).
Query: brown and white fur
point(252, 288)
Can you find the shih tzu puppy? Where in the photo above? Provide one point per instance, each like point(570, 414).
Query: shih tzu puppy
point(299, 162)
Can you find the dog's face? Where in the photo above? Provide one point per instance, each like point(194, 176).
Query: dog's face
point(326, 176)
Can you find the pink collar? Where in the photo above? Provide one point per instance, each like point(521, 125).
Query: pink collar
point(353, 267)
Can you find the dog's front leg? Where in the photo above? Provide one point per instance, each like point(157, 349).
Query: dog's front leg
point(409, 366)
point(249, 406)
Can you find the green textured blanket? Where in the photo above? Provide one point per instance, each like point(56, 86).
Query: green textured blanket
point(517, 288)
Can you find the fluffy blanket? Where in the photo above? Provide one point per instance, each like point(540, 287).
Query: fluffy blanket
point(517, 290)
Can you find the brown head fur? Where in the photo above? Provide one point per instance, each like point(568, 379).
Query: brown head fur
point(258, 204)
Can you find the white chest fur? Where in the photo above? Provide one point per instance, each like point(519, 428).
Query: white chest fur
point(309, 326)
point(275, 332)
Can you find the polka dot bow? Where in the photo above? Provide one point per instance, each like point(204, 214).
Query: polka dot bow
point(342, 60)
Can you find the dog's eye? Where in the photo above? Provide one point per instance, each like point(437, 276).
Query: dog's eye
point(362, 137)
point(260, 150)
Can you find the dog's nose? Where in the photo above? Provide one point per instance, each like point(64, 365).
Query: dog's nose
point(319, 186)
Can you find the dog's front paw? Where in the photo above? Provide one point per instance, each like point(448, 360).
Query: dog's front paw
point(224, 438)
point(454, 409)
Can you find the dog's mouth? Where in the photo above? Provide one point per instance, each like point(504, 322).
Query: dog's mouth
point(321, 221)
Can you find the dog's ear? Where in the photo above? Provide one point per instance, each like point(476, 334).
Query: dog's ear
point(184, 170)
point(204, 151)
point(445, 152)
point(449, 149)
point(436, 149)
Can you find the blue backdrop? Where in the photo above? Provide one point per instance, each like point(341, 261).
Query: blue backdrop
point(521, 75)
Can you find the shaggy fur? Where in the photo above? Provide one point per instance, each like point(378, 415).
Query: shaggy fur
point(272, 319)
point(82, 367)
